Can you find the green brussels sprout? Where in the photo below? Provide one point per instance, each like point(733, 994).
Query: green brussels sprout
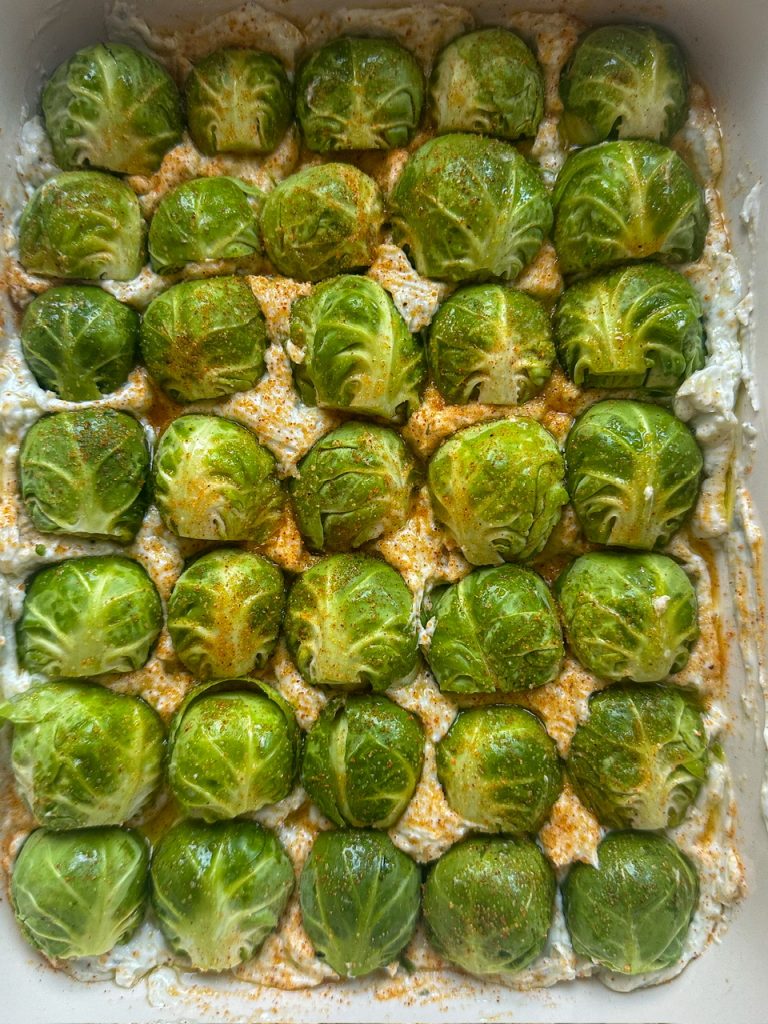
point(626, 82)
point(495, 631)
point(225, 612)
point(639, 327)
point(203, 339)
point(624, 201)
point(84, 472)
point(354, 485)
point(640, 758)
point(498, 489)
point(500, 769)
point(491, 344)
point(358, 354)
point(82, 224)
point(349, 623)
point(356, 93)
point(628, 615)
point(238, 101)
point(219, 890)
point(214, 481)
point(488, 904)
point(87, 616)
point(322, 221)
point(234, 747)
point(359, 899)
point(489, 82)
point(80, 893)
point(79, 341)
point(363, 760)
point(82, 755)
point(111, 106)
point(633, 473)
point(632, 912)
point(468, 209)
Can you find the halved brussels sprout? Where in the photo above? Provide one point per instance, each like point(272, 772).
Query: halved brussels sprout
point(357, 352)
point(225, 612)
point(498, 489)
point(214, 481)
point(640, 327)
point(82, 755)
point(491, 344)
point(356, 93)
point(360, 900)
point(203, 339)
point(233, 748)
point(354, 485)
point(487, 81)
point(79, 341)
point(626, 82)
point(205, 219)
point(84, 472)
point(624, 201)
point(219, 890)
point(80, 893)
point(633, 473)
point(640, 758)
point(238, 101)
point(632, 912)
point(349, 623)
point(322, 221)
point(363, 760)
point(468, 209)
point(82, 224)
point(87, 616)
point(113, 107)
point(488, 904)
point(628, 615)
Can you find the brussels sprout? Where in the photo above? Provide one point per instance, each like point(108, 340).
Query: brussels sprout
point(214, 481)
point(79, 341)
point(225, 612)
point(640, 327)
point(626, 201)
point(640, 758)
point(349, 623)
point(495, 630)
point(488, 904)
point(356, 93)
point(632, 912)
point(363, 760)
point(84, 472)
point(498, 489)
point(203, 339)
point(487, 81)
point(490, 344)
point(80, 893)
point(357, 352)
point(205, 219)
point(626, 82)
point(82, 755)
point(234, 747)
point(468, 209)
point(219, 890)
point(322, 221)
point(633, 473)
point(82, 224)
point(111, 106)
point(359, 900)
point(86, 616)
point(238, 101)
point(628, 616)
